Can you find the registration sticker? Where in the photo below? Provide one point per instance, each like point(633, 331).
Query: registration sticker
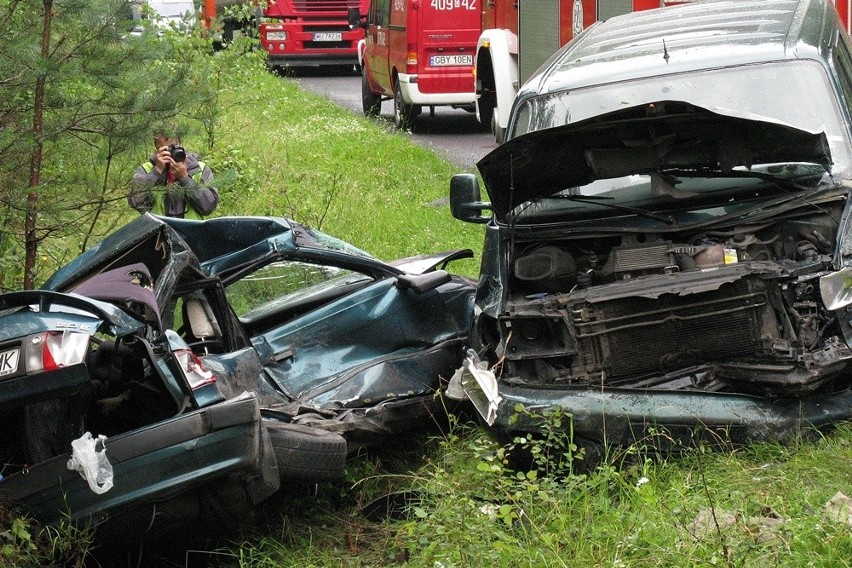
point(450, 60)
point(9, 361)
point(328, 36)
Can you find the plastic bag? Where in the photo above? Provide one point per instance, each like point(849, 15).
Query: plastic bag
point(91, 463)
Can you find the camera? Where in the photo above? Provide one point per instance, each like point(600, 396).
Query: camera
point(177, 152)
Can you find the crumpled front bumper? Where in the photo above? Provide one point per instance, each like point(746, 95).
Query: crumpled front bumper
point(622, 417)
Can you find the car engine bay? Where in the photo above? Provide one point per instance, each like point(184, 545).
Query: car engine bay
point(723, 309)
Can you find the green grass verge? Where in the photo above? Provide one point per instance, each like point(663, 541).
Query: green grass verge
point(760, 506)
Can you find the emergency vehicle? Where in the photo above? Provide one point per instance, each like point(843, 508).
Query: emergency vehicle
point(419, 53)
point(519, 35)
point(310, 33)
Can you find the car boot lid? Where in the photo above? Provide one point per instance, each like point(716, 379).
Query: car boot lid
point(51, 310)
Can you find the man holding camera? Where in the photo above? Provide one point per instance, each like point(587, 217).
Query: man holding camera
point(173, 182)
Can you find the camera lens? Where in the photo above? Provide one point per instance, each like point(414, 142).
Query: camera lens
point(178, 153)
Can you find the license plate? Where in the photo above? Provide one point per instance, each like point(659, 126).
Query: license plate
point(9, 361)
point(450, 60)
point(328, 36)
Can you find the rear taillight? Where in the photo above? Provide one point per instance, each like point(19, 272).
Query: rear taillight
point(411, 60)
point(193, 369)
point(55, 349)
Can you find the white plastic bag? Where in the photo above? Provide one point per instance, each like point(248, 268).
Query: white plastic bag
point(92, 464)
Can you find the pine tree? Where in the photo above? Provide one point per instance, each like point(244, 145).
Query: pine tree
point(78, 94)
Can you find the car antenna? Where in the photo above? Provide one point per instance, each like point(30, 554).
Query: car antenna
point(665, 52)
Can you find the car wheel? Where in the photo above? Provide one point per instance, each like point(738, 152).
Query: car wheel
point(371, 102)
point(305, 452)
point(402, 112)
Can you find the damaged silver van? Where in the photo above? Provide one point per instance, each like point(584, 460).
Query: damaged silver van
point(668, 244)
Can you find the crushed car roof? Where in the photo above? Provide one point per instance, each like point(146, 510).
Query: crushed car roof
point(221, 246)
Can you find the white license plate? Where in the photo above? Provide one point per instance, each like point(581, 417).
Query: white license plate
point(9, 361)
point(450, 60)
point(328, 36)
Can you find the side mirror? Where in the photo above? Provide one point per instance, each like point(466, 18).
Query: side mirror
point(465, 204)
point(354, 15)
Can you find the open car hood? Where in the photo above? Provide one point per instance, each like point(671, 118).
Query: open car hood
point(639, 140)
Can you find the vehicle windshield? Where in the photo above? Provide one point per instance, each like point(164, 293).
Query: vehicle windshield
point(794, 93)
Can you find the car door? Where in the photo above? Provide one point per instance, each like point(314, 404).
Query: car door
point(377, 54)
point(338, 335)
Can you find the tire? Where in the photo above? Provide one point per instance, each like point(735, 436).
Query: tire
point(305, 452)
point(402, 113)
point(487, 102)
point(498, 131)
point(371, 102)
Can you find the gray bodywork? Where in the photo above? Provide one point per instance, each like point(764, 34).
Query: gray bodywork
point(665, 256)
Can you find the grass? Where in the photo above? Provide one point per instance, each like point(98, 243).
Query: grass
point(760, 506)
point(295, 154)
point(301, 156)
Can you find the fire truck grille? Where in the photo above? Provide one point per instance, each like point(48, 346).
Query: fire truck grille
point(308, 6)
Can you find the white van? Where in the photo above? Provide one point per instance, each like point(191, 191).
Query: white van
point(167, 14)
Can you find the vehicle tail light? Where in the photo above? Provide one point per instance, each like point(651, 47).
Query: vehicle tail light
point(193, 368)
point(411, 60)
point(55, 349)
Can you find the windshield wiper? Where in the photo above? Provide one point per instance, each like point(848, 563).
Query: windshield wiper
point(601, 200)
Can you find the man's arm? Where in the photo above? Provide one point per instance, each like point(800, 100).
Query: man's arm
point(141, 197)
point(203, 197)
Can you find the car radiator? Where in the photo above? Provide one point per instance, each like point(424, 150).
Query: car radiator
point(627, 338)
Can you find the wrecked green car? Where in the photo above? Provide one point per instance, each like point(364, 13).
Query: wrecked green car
point(174, 375)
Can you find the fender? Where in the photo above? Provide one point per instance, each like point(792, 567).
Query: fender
point(500, 47)
point(361, 48)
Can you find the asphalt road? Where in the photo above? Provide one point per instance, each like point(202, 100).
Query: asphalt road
point(453, 133)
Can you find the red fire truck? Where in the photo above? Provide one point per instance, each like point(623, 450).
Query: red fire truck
point(418, 53)
point(310, 33)
point(519, 35)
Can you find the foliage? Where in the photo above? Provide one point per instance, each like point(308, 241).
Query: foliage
point(24, 543)
point(756, 506)
point(79, 94)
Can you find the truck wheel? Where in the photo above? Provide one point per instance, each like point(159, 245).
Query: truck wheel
point(304, 452)
point(498, 132)
point(487, 102)
point(371, 103)
point(402, 113)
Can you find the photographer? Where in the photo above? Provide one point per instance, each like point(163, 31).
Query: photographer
point(186, 182)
